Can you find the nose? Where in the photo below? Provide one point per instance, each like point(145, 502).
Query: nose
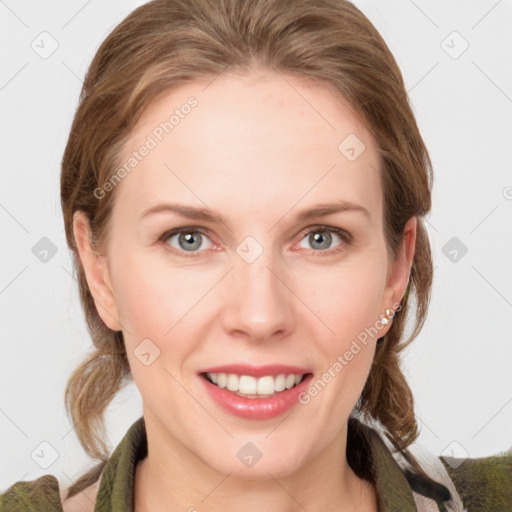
point(259, 304)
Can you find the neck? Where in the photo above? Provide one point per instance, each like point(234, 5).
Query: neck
point(183, 482)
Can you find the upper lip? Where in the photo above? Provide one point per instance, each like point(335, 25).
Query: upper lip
point(257, 371)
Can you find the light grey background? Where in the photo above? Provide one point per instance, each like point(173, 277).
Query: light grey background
point(458, 368)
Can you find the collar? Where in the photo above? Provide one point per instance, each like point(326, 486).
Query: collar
point(368, 455)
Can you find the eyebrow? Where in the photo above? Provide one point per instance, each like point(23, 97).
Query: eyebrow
point(207, 215)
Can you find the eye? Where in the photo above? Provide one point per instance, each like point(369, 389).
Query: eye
point(188, 239)
point(320, 237)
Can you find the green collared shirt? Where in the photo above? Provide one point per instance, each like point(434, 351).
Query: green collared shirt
point(483, 484)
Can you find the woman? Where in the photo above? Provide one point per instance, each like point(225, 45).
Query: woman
point(244, 190)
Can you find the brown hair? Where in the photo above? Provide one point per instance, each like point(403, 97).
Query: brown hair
point(165, 43)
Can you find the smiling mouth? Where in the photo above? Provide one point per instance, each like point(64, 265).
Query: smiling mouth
point(251, 387)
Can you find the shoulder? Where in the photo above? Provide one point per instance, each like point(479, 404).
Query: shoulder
point(45, 493)
point(482, 483)
point(32, 496)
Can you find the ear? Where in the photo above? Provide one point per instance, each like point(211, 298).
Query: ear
point(96, 272)
point(399, 271)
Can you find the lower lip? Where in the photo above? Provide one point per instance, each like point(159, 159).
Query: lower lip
point(257, 408)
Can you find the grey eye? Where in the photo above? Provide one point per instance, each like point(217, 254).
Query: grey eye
point(188, 240)
point(320, 239)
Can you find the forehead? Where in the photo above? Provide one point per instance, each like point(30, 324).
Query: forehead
point(239, 142)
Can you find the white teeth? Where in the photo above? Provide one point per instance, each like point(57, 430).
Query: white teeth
point(247, 385)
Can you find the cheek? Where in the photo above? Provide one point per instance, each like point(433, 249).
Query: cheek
point(346, 298)
point(141, 300)
point(152, 305)
point(151, 297)
point(165, 305)
point(349, 306)
point(346, 301)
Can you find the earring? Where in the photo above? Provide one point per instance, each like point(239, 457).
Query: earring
point(388, 318)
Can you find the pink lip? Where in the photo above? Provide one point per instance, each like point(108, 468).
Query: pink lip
point(257, 371)
point(257, 408)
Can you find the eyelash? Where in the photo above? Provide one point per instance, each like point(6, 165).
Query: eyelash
point(344, 235)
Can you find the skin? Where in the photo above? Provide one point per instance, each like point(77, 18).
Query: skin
point(251, 139)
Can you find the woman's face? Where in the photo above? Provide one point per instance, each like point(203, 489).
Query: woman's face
point(264, 286)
